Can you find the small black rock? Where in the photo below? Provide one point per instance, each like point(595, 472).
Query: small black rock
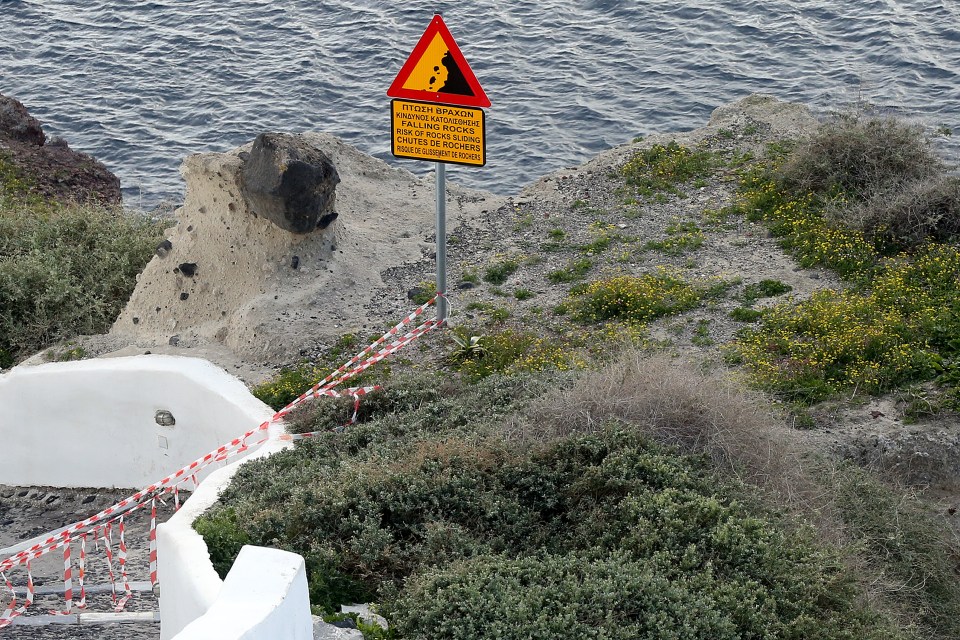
point(325, 221)
point(163, 248)
point(347, 623)
point(184, 295)
point(295, 262)
point(466, 285)
point(188, 268)
point(416, 292)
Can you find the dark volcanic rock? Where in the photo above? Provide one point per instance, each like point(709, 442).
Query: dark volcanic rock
point(17, 125)
point(289, 182)
point(51, 170)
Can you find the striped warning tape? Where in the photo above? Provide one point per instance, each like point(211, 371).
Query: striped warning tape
point(170, 484)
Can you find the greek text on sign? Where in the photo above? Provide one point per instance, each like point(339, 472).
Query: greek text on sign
point(437, 132)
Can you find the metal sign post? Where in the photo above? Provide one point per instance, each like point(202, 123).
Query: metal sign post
point(441, 241)
point(437, 114)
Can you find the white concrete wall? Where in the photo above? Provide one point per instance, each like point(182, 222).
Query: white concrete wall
point(92, 423)
point(189, 585)
point(264, 597)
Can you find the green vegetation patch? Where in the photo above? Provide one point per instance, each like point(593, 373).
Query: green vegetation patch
point(575, 270)
point(66, 270)
point(510, 351)
point(908, 547)
point(622, 540)
point(291, 382)
point(13, 184)
point(682, 237)
point(903, 329)
point(661, 168)
point(639, 299)
point(764, 289)
point(499, 272)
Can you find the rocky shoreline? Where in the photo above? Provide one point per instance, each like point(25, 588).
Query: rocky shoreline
point(51, 168)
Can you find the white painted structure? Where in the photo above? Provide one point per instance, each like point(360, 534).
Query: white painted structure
point(264, 596)
point(94, 423)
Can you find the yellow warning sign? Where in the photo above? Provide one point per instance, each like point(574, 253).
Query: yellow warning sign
point(431, 72)
point(441, 133)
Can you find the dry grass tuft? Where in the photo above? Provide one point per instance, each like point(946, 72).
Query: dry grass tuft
point(677, 404)
point(909, 214)
point(859, 156)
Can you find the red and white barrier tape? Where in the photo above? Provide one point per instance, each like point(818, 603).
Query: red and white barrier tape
point(82, 572)
point(104, 519)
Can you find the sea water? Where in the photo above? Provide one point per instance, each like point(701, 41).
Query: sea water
point(140, 85)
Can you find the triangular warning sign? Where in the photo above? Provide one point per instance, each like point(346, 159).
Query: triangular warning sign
point(436, 71)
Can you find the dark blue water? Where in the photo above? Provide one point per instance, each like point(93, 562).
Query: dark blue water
point(140, 85)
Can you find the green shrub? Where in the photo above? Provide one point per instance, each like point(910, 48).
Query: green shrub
point(576, 270)
point(662, 167)
point(470, 275)
point(423, 292)
point(286, 386)
point(224, 536)
point(511, 351)
point(291, 382)
point(66, 271)
point(859, 157)
point(764, 289)
point(682, 236)
point(744, 314)
point(636, 298)
point(499, 272)
point(523, 294)
point(615, 534)
point(907, 215)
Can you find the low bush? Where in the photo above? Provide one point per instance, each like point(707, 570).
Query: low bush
point(908, 547)
point(576, 270)
point(745, 314)
point(623, 538)
point(66, 270)
point(511, 351)
point(638, 298)
point(498, 273)
point(674, 403)
point(682, 236)
point(287, 385)
point(907, 215)
point(661, 168)
point(858, 157)
point(764, 289)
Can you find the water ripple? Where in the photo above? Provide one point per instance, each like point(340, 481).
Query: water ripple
point(141, 84)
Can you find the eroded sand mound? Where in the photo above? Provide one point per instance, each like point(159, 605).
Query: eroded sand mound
point(230, 280)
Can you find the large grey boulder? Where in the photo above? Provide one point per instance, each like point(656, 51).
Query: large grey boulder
point(290, 182)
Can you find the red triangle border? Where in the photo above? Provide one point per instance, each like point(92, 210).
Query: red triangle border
point(396, 90)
